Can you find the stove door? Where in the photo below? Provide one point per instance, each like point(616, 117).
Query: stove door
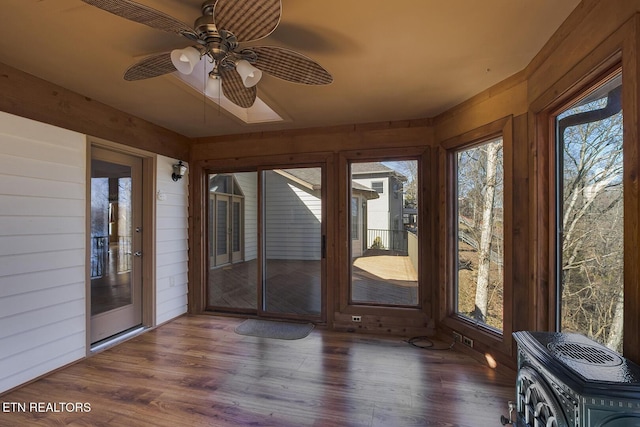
point(537, 404)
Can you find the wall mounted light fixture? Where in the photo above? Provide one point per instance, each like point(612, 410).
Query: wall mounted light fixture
point(179, 169)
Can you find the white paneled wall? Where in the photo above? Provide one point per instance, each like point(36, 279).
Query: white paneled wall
point(293, 217)
point(42, 249)
point(171, 242)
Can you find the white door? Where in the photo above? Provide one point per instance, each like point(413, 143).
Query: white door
point(116, 243)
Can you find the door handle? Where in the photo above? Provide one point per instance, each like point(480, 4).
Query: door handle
point(137, 253)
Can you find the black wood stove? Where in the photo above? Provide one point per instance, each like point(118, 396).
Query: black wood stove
point(568, 380)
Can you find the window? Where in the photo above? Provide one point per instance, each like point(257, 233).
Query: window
point(589, 206)
point(480, 234)
point(384, 253)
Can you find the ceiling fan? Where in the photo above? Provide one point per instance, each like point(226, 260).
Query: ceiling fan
point(216, 35)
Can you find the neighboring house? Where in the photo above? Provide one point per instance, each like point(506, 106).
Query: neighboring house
point(383, 214)
point(293, 215)
point(233, 218)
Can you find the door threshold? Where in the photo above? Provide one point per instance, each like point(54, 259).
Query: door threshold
point(116, 339)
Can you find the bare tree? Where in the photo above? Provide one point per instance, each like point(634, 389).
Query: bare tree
point(592, 219)
point(486, 236)
point(480, 189)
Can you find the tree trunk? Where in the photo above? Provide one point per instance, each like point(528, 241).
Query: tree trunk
point(615, 333)
point(484, 254)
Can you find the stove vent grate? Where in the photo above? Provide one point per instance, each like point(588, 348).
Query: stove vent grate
point(585, 354)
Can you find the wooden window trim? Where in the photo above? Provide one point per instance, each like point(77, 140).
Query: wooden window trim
point(421, 314)
point(200, 172)
point(547, 145)
point(618, 50)
point(485, 338)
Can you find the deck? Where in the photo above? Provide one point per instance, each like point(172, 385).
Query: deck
point(379, 277)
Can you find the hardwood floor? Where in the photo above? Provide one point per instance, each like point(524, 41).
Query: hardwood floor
point(196, 371)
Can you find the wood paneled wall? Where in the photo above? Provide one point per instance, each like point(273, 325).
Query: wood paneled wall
point(330, 147)
point(596, 35)
point(28, 96)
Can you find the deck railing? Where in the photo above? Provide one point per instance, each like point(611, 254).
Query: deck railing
point(100, 261)
point(99, 255)
point(394, 240)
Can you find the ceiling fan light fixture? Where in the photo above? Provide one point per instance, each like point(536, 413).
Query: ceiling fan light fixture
point(185, 59)
point(250, 74)
point(213, 86)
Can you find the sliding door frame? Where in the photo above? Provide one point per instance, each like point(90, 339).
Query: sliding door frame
point(198, 299)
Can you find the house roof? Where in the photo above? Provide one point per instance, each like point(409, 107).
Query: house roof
point(312, 179)
point(375, 168)
point(390, 60)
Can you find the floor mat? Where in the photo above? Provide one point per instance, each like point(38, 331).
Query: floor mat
point(274, 329)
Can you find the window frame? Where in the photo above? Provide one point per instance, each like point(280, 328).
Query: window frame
point(582, 90)
point(613, 54)
point(323, 161)
point(456, 260)
point(485, 337)
point(402, 317)
point(350, 162)
point(375, 184)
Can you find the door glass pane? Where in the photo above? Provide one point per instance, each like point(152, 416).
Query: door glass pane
point(292, 241)
point(111, 233)
point(384, 267)
point(480, 237)
point(233, 273)
point(590, 199)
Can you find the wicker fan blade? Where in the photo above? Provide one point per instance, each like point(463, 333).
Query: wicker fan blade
point(248, 19)
point(291, 66)
point(151, 66)
point(235, 91)
point(144, 15)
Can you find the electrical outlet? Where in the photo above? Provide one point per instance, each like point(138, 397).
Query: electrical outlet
point(356, 318)
point(467, 341)
point(457, 337)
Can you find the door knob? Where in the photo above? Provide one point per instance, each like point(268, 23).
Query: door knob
point(137, 253)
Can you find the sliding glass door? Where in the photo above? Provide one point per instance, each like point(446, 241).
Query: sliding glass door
point(292, 223)
point(265, 242)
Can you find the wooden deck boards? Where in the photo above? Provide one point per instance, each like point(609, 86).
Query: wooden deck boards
point(294, 286)
point(195, 371)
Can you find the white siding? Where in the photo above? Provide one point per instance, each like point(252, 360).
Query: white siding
point(248, 182)
point(293, 220)
point(377, 209)
point(42, 249)
point(171, 242)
